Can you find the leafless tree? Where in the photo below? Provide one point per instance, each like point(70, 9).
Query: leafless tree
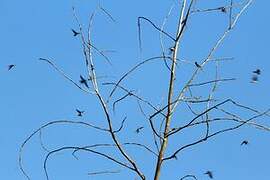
point(196, 97)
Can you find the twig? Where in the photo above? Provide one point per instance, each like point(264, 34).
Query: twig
point(65, 76)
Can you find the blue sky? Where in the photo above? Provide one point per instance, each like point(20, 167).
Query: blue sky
point(33, 93)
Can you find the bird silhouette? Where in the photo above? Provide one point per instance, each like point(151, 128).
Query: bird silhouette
point(245, 142)
point(223, 9)
point(197, 65)
point(257, 71)
point(139, 129)
point(210, 174)
point(254, 78)
point(171, 49)
point(11, 66)
point(83, 81)
point(79, 112)
point(75, 33)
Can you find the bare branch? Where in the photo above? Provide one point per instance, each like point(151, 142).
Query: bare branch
point(84, 149)
point(103, 172)
point(215, 133)
point(65, 76)
point(44, 126)
point(212, 81)
point(107, 13)
point(133, 69)
point(188, 176)
point(122, 125)
point(120, 99)
point(157, 28)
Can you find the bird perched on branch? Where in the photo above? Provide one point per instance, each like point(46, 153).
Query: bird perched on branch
point(83, 81)
point(79, 112)
point(171, 49)
point(75, 33)
point(210, 174)
point(197, 65)
point(223, 9)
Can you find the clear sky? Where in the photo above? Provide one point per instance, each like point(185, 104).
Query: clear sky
point(33, 93)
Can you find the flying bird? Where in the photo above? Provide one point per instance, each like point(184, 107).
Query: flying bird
point(79, 112)
point(11, 66)
point(75, 33)
point(245, 142)
point(139, 129)
point(210, 174)
point(254, 78)
point(83, 81)
point(257, 71)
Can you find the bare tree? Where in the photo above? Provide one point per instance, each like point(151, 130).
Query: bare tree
point(197, 97)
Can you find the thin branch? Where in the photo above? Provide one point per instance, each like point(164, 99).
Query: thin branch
point(157, 28)
point(209, 56)
point(120, 99)
point(103, 172)
point(100, 52)
point(41, 142)
point(122, 125)
point(113, 145)
point(220, 8)
point(44, 126)
point(214, 134)
point(153, 130)
point(199, 115)
point(65, 76)
point(212, 81)
point(189, 176)
point(107, 13)
point(161, 35)
point(88, 150)
point(141, 99)
point(133, 69)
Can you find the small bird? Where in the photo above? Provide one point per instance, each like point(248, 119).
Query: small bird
point(79, 112)
point(197, 65)
point(257, 71)
point(11, 66)
point(210, 174)
point(171, 49)
point(223, 9)
point(184, 21)
point(245, 142)
point(254, 79)
point(139, 129)
point(75, 33)
point(83, 81)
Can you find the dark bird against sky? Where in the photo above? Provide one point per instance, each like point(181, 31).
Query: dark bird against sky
point(245, 142)
point(83, 81)
point(210, 174)
point(75, 33)
point(223, 9)
point(139, 129)
point(257, 71)
point(79, 112)
point(254, 78)
point(11, 66)
point(197, 65)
